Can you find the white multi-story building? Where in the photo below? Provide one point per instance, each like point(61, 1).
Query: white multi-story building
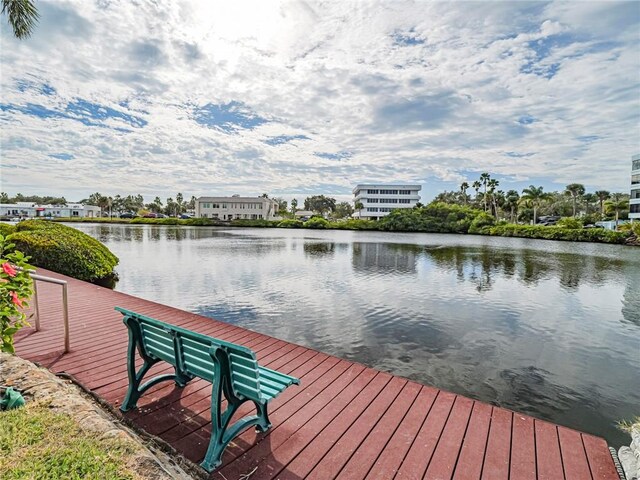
point(379, 200)
point(32, 210)
point(634, 200)
point(236, 207)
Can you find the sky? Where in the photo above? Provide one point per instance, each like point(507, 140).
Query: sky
point(297, 98)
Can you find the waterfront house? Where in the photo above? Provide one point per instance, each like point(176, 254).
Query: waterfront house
point(379, 200)
point(237, 207)
point(33, 210)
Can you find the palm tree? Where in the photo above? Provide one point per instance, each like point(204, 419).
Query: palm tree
point(492, 184)
point(617, 203)
point(484, 180)
point(22, 16)
point(537, 196)
point(294, 206)
point(589, 200)
point(358, 206)
point(464, 186)
point(574, 190)
point(512, 199)
point(602, 196)
point(476, 186)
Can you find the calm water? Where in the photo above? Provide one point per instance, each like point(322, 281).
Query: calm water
point(551, 329)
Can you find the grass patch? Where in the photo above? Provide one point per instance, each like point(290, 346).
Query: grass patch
point(36, 443)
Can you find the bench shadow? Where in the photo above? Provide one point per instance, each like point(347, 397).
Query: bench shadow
point(180, 417)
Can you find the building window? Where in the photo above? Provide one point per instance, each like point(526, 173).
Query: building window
point(635, 165)
point(388, 200)
point(224, 205)
point(372, 209)
point(372, 200)
point(635, 179)
point(635, 208)
point(635, 194)
point(404, 200)
point(372, 192)
point(404, 192)
point(388, 192)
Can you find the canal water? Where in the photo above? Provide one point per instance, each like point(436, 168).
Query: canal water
point(551, 329)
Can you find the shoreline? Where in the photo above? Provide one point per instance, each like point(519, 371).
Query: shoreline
point(526, 231)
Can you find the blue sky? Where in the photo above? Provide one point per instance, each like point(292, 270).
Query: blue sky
point(296, 98)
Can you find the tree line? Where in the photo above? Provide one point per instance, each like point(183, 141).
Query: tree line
point(533, 202)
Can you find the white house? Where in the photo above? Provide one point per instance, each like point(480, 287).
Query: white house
point(237, 207)
point(33, 210)
point(634, 199)
point(378, 200)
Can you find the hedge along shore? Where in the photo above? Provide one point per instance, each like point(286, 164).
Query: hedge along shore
point(37, 384)
point(433, 218)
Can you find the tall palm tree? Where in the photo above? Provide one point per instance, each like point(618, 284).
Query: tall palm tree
point(512, 199)
point(602, 196)
point(476, 186)
point(22, 15)
point(617, 203)
point(574, 190)
point(537, 195)
point(589, 200)
point(492, 184)
point(464, 186)
point(359, 206)
point(484, 180)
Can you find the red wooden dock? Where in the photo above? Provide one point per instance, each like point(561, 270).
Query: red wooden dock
point(345, 421)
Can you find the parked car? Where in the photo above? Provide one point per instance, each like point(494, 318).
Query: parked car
point(128, 215)
point(160, 215)
point(184, 216)
point(150, 215)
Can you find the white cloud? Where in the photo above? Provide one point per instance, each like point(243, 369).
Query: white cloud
point(415, 92)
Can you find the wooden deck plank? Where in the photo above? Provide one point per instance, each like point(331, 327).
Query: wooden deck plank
point(370, 449)
point(339, 454)
point(309, 457)
point(600, 461)
point(281, 456)
point(523, 448)
point(445, 457)
point(472, 454)
point(548, 459)
point(496, 459)
point(415, 463)
point(574, 458)
point(344, 421)
point(391, 458)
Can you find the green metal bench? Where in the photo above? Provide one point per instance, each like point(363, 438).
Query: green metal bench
point(232, 369)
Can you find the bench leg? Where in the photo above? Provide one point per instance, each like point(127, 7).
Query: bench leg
point(264, 423)
point(135, 378)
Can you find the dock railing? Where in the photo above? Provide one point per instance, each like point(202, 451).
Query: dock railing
point(65, 303)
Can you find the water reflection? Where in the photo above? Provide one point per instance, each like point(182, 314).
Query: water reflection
point(547, 328)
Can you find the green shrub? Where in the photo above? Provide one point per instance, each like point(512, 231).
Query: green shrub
point(316, 222)
point(198, 222)
point(7, 229)
point(570, 223)
point(436, 217)
point(65, 250)
point(355, 224)
point(481, 221)
point(557, 233)
point(242, 222)
point(290, 223)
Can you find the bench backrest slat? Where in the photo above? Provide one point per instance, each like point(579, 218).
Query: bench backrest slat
point(196, 358)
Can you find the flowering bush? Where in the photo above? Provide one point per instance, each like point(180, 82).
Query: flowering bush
point(15, 291)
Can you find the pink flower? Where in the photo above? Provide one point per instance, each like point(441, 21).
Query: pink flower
point(8, 269)
point(14, 298)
